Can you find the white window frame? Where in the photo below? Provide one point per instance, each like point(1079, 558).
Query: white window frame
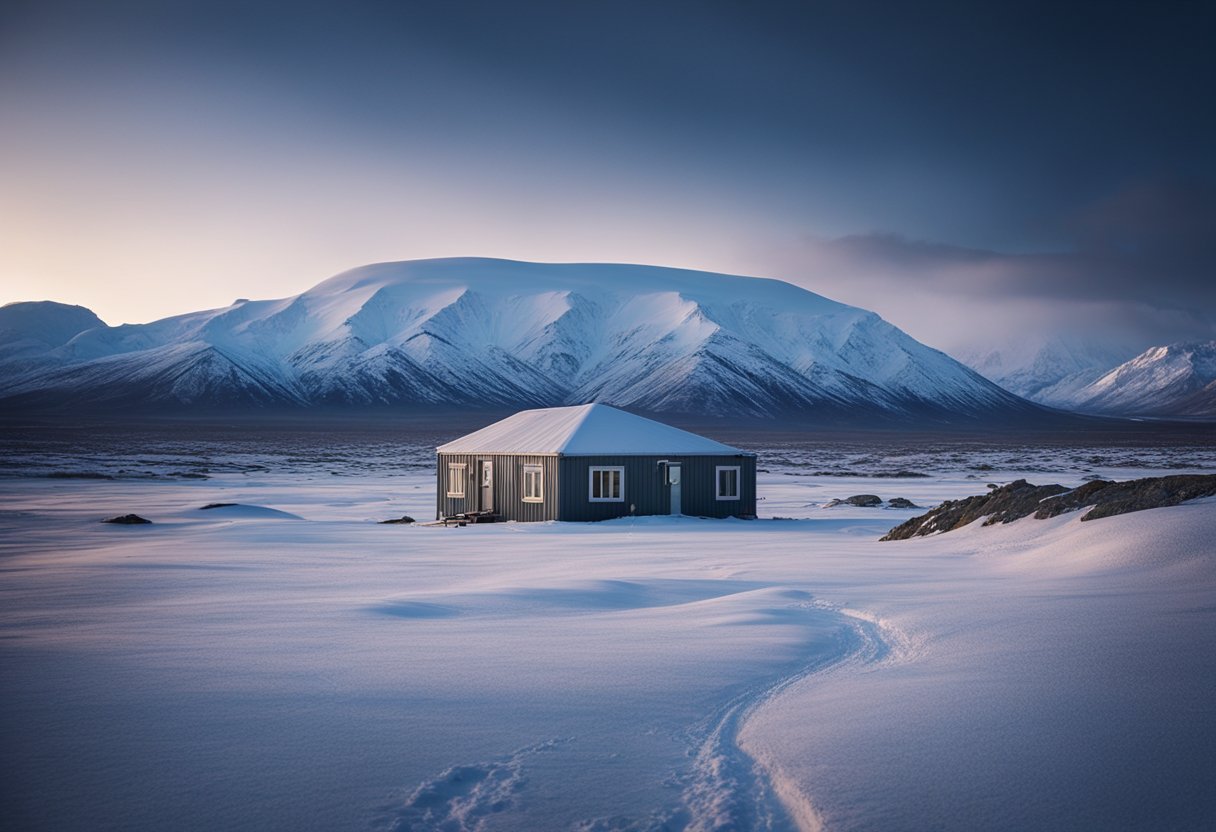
point(718, 469)
point(595, 469)
point(457, 473)
point(538, 483)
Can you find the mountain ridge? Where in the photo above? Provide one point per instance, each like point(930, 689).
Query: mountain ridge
point(476, 332)
point(1173, 380)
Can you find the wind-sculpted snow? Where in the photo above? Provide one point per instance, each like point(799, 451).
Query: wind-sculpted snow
point(494, 333)
point(722, 787)
point(461, 797)
point(232, 668)
point(729, 788)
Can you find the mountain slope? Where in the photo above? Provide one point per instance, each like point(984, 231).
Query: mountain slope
point(1174, 380)
point(494, 333)
point(30, 329)
point(1049, 370)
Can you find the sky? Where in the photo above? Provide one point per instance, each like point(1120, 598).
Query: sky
point(973, 172)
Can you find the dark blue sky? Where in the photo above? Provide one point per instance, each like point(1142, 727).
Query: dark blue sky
point(267, 145)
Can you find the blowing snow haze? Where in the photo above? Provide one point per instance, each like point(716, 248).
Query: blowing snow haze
point(986, 177)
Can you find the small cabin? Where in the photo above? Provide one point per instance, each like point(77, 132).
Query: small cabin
point(591, 462)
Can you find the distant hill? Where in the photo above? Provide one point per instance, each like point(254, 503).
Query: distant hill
point(481, 333)
point(1048, 370)
point(1178, 380)
point(34, 328)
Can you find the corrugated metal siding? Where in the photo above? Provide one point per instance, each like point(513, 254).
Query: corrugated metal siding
point(646, 491)
point(508, 486)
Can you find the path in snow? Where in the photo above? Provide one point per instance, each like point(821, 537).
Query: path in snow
point(724, 788)
point(216, 671)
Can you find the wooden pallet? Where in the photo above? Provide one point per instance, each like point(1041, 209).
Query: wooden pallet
point(470, 517)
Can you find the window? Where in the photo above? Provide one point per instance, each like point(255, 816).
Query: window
point(728, 481)
point(456, 479)
point(607, 485)
point(534, 484)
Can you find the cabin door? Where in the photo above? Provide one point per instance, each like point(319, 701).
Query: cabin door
point(673, 483)
point(487, 484)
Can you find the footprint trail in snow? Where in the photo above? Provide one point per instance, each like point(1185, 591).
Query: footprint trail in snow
point(724, 788)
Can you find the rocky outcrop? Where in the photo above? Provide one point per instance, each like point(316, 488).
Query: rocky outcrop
point(859, 500)
point(1111, 498)
point(1001, 505)
point(127, 520)
point(1020, 499)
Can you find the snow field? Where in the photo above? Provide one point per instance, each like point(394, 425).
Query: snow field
point(233, 668)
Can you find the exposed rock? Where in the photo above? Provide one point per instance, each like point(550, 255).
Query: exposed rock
point(1002, 505)
point(403, 519)
point(901, 502)
point(1020, 498)
point(127, 520)
point(217, 505)
point(1111, 498)
point(864, 500)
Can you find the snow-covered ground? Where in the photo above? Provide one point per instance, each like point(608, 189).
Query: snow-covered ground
point(307, 668)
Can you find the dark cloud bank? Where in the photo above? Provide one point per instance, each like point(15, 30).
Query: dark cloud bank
point(1142, 271)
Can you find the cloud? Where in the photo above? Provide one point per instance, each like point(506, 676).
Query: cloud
point(1141, 271)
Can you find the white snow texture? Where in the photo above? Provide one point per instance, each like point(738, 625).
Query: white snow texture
point(285, 664)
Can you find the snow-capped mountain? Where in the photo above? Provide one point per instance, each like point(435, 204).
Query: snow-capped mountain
point(1175, 380)
point(498, 334)
point(1049, 370)
point(33, 328)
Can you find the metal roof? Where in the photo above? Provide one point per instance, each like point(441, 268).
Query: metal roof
point(584, 430)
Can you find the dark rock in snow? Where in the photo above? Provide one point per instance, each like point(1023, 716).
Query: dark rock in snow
point(1002, 505)
point(217, 505)
point(404, 519)
point(901, 502)
point(864, 500)
point(1019, 499)
point(127, 520)
point(1111, 498)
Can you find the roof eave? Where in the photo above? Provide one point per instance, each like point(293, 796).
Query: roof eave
point(563, 454)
